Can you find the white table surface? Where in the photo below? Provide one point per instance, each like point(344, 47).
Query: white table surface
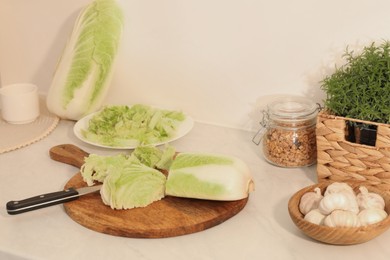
point(262, 230)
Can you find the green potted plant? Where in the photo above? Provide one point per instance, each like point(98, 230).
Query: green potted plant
point(360, 89)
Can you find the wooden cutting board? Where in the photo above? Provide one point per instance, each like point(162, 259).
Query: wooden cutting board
point(168, 217)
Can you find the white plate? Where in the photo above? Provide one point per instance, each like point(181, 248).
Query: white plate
point(183, 129)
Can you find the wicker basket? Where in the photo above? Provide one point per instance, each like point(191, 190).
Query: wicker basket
point(341, 160)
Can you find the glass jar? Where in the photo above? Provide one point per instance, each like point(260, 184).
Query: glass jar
point(288, 132)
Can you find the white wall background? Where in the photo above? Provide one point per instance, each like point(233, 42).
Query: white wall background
point(218, 60)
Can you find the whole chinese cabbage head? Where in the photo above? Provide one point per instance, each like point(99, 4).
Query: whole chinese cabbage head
point(84, 71)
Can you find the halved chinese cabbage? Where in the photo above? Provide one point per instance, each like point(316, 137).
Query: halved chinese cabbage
point(209, 176)
point(135, 185)
point(84, 71)
point(154, 157)
point(97, 167)
point(129, 180)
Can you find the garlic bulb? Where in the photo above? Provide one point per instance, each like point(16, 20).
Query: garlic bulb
point(371, 216)
point(310, 201)
point(342, 218)
point(343, 200)
point(315, 216)
point(368, 199)
point(337, 187)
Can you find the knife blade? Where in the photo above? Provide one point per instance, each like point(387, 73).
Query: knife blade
point(45, 200)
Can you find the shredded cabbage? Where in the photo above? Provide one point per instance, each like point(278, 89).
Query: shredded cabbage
point(122, 126)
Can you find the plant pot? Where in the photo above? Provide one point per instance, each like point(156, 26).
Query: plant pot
point(339, 159)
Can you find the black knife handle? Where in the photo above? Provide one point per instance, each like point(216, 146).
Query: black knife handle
point(41, 201)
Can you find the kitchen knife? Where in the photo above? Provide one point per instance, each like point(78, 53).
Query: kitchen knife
point(45, 200)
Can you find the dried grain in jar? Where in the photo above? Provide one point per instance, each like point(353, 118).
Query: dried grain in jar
point(289, 138)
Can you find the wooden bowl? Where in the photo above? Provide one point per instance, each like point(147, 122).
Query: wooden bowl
point(338, 236)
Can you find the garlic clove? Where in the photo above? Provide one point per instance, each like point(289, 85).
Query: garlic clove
point(368, 199)
point(310, 200)
point(343, 200)
point(342, 218)
point(337, 187)
point(371, 216)
point(315, 216)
